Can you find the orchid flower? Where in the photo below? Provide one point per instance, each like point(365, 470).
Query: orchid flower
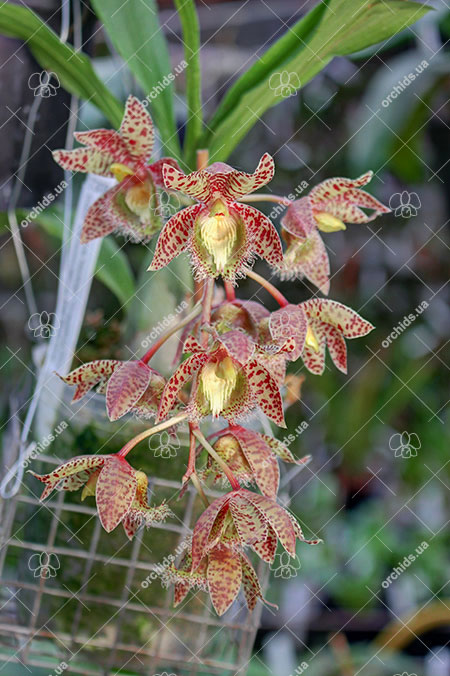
point(328, 207)
point(230, 380)
point(216, 561)
point(252, 457)
point(317, 323)
point(129, 386)
point(132, 206)
point(120, 491)
point(221, 573)
point(221, 234)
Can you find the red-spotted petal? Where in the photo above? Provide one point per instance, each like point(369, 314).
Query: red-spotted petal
point(265, 391)
point(156, 170)
point(263, 238)
point(307, 257)
point(336, 347)
point(183, 373)
point(289, 322)
point(174, 236)
point(125, 387)
point(76, 465)
point(278, 518)
point(341, 197)
point(90, 374)
point(203, 529)
point(343, 318)
point(250, 523)
point(260, 458)
point(195, 184)
point(137, 130)
point(267, 548)
point(99, 221)
point(299, 218)
point(238, 345)
point(283, 452)
point(224, 578)
point(237, 183)
point(191, 344)
point(115, 491)
point(332, 187)
point(250, 583)
point(107, 141)
point(86, 160)
point(314, 357)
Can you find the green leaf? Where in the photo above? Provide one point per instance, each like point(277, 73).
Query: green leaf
point(114, 271)
point(73, 68)
point(273, 58)
point(346, 26)
point(191, 40)
point(112, 268)
point(136, 34)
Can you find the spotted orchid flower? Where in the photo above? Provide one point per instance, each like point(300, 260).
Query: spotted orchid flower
point(120, 491)
point(230, 380)
point(132, 206)
point(318, 323)
point(216, 561)
point(328, 207)
point(129, 386)
point(221, 573)
point(252, 457)
point(221, 234)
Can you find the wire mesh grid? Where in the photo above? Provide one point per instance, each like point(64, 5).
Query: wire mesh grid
point(94, 601)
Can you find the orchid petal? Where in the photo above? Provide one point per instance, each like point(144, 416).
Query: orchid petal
point(265, 390)
point(109, 142)
point(224, 578)
point(174, 236)
point(183, 373)
point(195, 184)
point(238, 183)
point(137, 130)
point(263, 237)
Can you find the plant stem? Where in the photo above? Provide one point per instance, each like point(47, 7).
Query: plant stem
point(198, 487)
point(149, 354)
point(263, 197)
point(281, 300)
point(148, 433)
point(190, 471)
point(208, 291)
point(223, 466)
point(229, 290)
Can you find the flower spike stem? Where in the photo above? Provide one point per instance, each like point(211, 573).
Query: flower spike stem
point(229, 290)
point(235, 485)
point(198, 487)
point(263, 197)
point(208, 292)
point(153, 430)
point(281, 300)
point(155, 347)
